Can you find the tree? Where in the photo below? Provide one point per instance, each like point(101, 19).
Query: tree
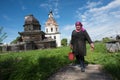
point(18, 39)
point(106, 39)
point(64, 42)
point(118, 37)
point(3, 35)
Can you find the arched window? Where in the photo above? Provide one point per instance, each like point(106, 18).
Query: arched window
point(56, 29)
point(54, 37)
point(47, 30)
point(51, 29)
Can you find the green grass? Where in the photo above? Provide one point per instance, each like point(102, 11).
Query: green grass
point(32, 65)
point(110, 61)
point(40, 64)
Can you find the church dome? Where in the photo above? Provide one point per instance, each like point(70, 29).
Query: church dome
point(30, 19)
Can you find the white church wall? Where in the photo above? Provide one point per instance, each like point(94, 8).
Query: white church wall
point(55, 37)
point(58, 40)
point(51, 29)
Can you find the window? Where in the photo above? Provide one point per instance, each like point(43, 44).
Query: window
point(46, 30)
point(56, 29)
point(54, 37)
point(51, 29)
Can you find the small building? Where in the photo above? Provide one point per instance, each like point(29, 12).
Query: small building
point(113, 46)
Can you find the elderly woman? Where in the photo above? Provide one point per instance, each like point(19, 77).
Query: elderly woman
point(78, 43)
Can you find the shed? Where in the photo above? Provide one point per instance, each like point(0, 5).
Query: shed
point(113, 46)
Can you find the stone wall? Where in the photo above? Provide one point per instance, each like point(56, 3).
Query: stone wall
point(28, 45)
point(113, 46)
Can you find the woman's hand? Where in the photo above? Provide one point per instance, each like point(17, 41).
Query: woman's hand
point(92, 46)
point(71, 46)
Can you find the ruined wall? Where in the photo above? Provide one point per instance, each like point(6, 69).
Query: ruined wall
point(28, 45)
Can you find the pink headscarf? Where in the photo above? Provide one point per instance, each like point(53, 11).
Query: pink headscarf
point(80, 24)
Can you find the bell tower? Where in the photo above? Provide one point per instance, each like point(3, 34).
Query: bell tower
point(52, 29)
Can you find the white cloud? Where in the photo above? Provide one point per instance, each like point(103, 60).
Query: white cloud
point(93, 4)
point(101, 21)
point(24, 8)
point(114, 4)
point(68, 27)
point(44, 5)
point(6, 17)
point(52, 5)
point(67, 31)
point(116, 14)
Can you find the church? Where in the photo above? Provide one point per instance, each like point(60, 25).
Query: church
point(34, 38)
point(52, 29)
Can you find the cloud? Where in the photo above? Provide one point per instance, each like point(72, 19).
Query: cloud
point(114, 4)
point(68, 27)
point(116, 14)
point(93, 4)
point(52, 5)
point(67, 31)
point(6, 17)
point(44, 5)
point(100, 21)
point(21, 3)
point(23, 8)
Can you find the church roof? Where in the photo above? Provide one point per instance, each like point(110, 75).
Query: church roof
point(30, 19)
point(51, 21)
point(31, 33)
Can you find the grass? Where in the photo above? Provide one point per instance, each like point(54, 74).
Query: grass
point(40, 64)
point(110, 61)
point(32, 65)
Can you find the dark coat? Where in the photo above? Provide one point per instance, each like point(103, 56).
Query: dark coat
point(78, 41)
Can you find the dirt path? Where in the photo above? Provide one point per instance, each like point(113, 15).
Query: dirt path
point(73, 72)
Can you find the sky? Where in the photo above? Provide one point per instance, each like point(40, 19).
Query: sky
point(100, 18)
